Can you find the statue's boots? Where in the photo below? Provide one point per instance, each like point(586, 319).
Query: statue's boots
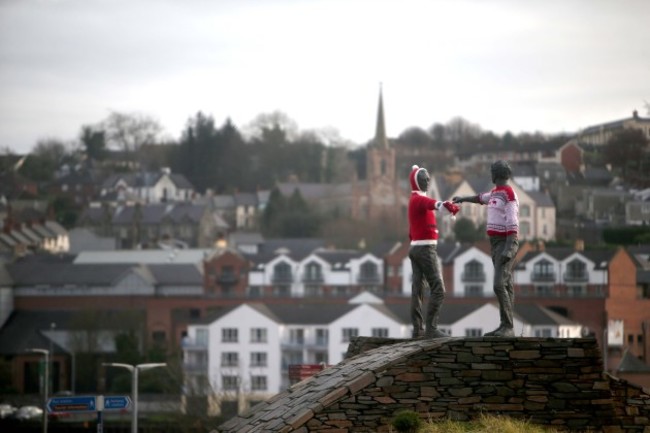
point(501, 331)
point(506, 328)
point(435, 333)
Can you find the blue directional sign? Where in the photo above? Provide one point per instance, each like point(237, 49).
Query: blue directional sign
point(116, 402)
point(81, 403)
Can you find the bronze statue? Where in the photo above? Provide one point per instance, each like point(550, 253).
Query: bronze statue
point(502, 230)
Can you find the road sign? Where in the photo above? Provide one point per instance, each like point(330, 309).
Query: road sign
point(116, 402)
point(82, 403)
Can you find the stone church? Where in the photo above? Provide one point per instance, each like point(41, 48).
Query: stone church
point(376, 197)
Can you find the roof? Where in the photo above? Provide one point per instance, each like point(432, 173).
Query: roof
point(541, 198)
point(146, 179)
point(538, 315)
point(631, 364)
point(449, 313)
point(600, 257)
point(296, 248)
point(338, 258)
point(33, 329)
point(307, 314)
point(187, 256)
point(47, 274)
point(177, 274)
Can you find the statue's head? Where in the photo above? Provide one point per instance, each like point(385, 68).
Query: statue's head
point(419, 178)
point(501, 171)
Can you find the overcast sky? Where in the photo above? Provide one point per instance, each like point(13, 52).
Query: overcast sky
point(509, 65)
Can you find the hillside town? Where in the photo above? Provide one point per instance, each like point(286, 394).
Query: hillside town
point(160, 270)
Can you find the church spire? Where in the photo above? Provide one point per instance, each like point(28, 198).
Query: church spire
point(380, 133)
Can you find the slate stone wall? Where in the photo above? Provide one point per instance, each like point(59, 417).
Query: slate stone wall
point(554, 382)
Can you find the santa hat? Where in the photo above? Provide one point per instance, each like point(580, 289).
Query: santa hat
point(413, 178)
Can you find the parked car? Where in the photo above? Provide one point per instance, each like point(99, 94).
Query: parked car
point(28, 413)
point(6, 410)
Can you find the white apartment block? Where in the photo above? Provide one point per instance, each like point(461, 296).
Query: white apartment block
point(242, 356)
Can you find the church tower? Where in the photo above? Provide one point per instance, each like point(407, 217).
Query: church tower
point(383, 192)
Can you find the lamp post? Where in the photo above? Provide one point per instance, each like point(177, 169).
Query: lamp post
point(46, 380)
point(52, 329)
point(134, 385)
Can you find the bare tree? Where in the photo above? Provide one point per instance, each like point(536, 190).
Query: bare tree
point(129, 131)
point(269, 122)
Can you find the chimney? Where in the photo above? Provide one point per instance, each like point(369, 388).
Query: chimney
point(635, 114)
point(579, 245)
point(541, 246)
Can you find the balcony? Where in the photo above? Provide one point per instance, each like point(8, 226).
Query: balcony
point(473, 277)
point(313, 278)
point(543, 276)
point(227, 279)
point(194, 346)
point(576, 277)
point(306, 343)
point(195, 367)
point(369, 279)
point(281, 278)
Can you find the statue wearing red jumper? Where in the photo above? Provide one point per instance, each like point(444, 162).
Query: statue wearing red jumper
point(502, 229)
point(423, 234)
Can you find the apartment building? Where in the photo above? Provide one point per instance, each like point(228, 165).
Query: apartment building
point(244, 355)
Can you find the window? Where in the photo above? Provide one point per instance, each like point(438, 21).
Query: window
point(473, 271)
point(312, 290)
point(445, 330)
point(380, 332)
point(577, 291)
point(322, 337)
point(258, 359)
point(524, 210)
point(349, 333)
point(368, 272)
point(545, 332)
point(297, 336)
point(524, 228)
point(321, 358)
point(473, 291)
point(229, 359)
point(202, 336)
point(158, 337)
point(258, 335)
point(543, 271)
point(543, 291)
point(258, 383)
point(313, 272)
point(229, 335)
point(473, 332)
point(230, 383)
point(576, 270)
point(282, 273)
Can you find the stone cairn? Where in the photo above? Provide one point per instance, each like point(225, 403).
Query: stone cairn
point(554, 382)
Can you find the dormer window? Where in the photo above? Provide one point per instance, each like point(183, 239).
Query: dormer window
point(576, 270)
point(368, 273)
point(313, 273)
point(543, 270)
point(282, 273)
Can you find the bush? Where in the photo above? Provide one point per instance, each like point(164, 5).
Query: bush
point(407, 422)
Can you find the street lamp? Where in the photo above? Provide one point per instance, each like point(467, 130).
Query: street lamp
point(51, 336)
point(46, 380)
point(134, 385)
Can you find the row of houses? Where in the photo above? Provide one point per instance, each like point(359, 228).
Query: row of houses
point(598, 290)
